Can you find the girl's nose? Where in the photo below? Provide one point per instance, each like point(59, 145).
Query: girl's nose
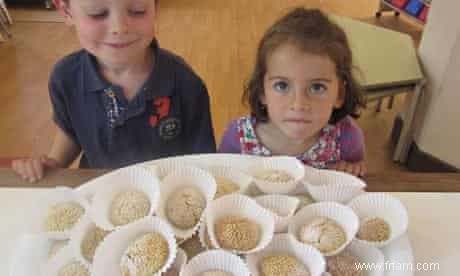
point(300, 101)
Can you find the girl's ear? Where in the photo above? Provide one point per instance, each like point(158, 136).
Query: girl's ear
point(341, 96)
point(262, 99)
point(64, 9)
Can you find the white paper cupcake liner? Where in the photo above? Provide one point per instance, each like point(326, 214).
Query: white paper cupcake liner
point(91, 187)
point(290, 165)
point(341, 214)
point(127, 179)
point(309, 256)
point(108, 257)
point(300, 189)
point(240, 206)
point(151, 168)
point(55, 246)
point(168, 166)
point(36, 250)
point(36, 218)
point(64, 257)
point(215, 260)
point(203, 236)
point(367, 254)
point(186, 177)
point(253, 190)
point(328, 185)
point(179, 262)
point(282, 208)
point(304, 200)
point(238, 177)
point(383, 206)
point(77, 237)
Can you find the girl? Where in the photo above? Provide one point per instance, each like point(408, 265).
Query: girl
point(121, 99)
point(302, 97)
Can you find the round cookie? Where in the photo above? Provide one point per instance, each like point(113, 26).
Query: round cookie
point(343, 265)
point(225, 186)
point(147, 254)
point(323, 233)
point(282, 265)
point(128, 206)
point(63, 216)
point(216, 273)
point(73, 269)
point(274, 176)
point(185, 207)
point(91, 241)
point(237, 233)
point(374, 230)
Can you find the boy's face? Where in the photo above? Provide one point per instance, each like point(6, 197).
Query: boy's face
point(115, 31)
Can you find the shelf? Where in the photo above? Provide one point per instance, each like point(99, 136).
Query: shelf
point(426, 2)
point(402, 11)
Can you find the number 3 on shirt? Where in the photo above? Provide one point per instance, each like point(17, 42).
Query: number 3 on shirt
point(160, 110)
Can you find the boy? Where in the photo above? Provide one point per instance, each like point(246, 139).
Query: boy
point(121, 99)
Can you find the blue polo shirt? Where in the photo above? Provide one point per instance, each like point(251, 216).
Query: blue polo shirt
point(169, 116)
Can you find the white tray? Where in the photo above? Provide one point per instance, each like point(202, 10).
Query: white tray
point(397, 252)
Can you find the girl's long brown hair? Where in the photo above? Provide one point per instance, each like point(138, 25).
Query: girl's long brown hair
point(313, 32)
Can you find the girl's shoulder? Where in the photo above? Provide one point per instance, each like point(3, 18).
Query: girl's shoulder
point(351, 141)
point(348, 125)
point(241, 124)
point(232, 138)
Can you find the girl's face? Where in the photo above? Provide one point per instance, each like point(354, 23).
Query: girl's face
point(301, 89)
point(115, 31)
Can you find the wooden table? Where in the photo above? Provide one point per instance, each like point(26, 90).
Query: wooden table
point(382, 182)
point(433, 228)
point(430, 243)
point(5, 19)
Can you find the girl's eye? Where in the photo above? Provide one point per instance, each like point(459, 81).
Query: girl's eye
point(281, 86)
point(318, 88)
point(100, 15)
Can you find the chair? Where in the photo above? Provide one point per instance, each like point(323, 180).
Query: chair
point(389, 65)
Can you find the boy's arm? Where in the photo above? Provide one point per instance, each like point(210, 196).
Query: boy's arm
point(199, 131)
point(63, 150)
point(62, 153)
point(230, 142)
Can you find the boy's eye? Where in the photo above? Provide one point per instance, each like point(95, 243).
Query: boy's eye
point(318, 88)
point(99, 15)
point(281, 86)
point(137, 12)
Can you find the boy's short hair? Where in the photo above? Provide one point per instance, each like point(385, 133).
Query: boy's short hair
point(313, 32)
point(67, 1)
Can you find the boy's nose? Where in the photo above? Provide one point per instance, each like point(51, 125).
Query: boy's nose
point(119, 25)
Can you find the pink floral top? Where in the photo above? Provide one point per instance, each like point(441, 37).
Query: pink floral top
point(342, 141)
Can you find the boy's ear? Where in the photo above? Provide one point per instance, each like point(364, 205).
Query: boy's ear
point(64, 9)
